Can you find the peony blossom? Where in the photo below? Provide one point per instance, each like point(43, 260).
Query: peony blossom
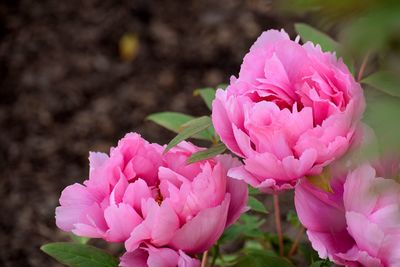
point(292, 111)
point(358, 224)
point(154, 202)
point(158, 257)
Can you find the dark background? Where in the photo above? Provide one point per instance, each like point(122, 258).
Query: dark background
point(64, 91)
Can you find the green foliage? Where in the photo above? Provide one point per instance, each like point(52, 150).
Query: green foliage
point(207, 94)
point(208, 153)
point(248, 226)
point(321, 263)
point(384, 81)
point(79, 239)
point(174, 122)
point(273, 240)
point(254, 191)
point(308, 33)
point(190, 128)
point(79, 255)
point(222, 86)
point(309, 254)
point(260, 258)
point(382, 114)
point(292, 218)
point(256, 205)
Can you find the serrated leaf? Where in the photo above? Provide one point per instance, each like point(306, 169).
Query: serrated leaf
point(308, 33)
point(207, 94)
point(174, 121)
point(256, 205)
point(322, 181)
point(384, 81)
point(208, 153)
point(190, 129)
point(79, 255)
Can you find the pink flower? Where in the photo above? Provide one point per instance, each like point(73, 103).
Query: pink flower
point(154, 201)
point(357, 225)
point(157, 257)
point(293, 110)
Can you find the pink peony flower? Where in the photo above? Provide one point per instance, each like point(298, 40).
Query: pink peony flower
point(293, 110)
point(357, 225)
point(157, 257)
point(154, 201)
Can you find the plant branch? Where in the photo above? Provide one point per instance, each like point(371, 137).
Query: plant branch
point(296, 241)
point(204, 259)
point(278, 223)
point(363, 66)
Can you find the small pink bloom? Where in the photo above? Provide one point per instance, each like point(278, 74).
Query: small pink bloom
point(142, 197)
point(357, 225)
point(293, 110)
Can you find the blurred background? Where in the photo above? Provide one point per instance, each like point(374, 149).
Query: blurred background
point(75, 76)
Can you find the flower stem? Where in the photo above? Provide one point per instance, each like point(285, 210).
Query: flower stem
point(216, 255)
point(204, 259)
point(278, 223)
point(296, 241)
point(362, 67)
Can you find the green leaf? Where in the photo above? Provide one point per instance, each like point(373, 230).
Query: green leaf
point(382, 115)
point(254, 191)
point(207, 94)
point(222, 86)
point(260, 258)
point(79, 255)
point(308, 253)
point(190, 129)
point(256, 205)
point(246, 226)
point(308, 33)
point(173, 121)
point(321, 263)
point(384, 81)
point(79, 239)
point(208, 153)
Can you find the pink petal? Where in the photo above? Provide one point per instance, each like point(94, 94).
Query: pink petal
point(269, 37)
point(222, 123)
point(187, 261)
point(369, 237)
point(135, 193)
point(239, 195)
point(121, 220)
point(74, 200)
point(162, 257)
point(137, 258)
point(360, 181)
point(200, 233)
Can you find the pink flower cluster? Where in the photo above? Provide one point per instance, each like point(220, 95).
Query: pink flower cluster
point(162, 208)
point(292, 111)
